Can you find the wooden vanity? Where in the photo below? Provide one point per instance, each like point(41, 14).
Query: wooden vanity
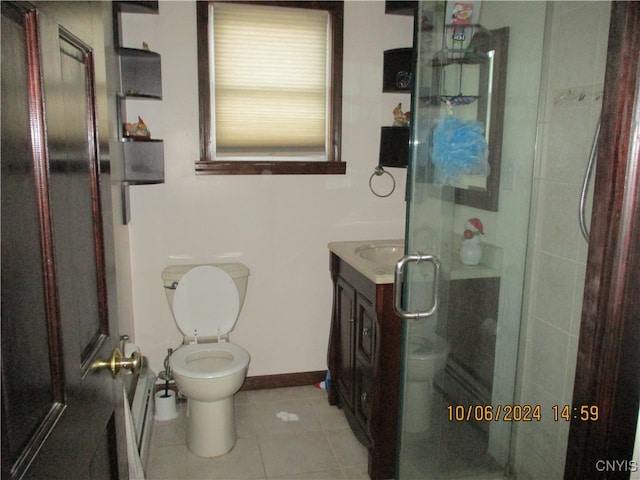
point(364, 361)
point(365, 344)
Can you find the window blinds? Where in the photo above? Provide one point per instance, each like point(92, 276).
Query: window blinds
point(271, 81)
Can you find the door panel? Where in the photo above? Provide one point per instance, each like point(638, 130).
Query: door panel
point(79, 437)
point(32, 381)
point(77, 231)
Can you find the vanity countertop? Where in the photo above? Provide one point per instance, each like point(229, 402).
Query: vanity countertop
point(375, 259)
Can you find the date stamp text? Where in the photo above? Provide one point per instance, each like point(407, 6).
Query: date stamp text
point(521, 413)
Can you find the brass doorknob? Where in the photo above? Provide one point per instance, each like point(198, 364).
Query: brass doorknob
point(118, 361)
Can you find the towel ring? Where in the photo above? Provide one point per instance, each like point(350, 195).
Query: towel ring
point(378, 171)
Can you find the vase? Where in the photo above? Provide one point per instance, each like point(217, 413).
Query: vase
point(471, 251)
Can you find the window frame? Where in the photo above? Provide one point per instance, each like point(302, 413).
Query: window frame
point(207, 165)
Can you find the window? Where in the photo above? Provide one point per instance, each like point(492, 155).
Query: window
point(270, 85)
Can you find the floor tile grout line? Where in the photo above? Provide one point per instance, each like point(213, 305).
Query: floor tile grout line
point(306, 397)
point(335, 456)
point(264, 467)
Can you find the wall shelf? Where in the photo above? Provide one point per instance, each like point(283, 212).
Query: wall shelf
point(397, 71)
point(140, 73)
point(400, 7)
point(138, 7)
point(141, 161)
point(394, 147)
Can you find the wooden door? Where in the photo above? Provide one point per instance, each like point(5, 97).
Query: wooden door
point(61, 418)
point(608, 356)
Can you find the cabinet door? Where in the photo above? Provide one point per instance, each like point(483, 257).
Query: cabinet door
point(365, 334)
point(365, 330)
point(345, 315)
point(364, 386)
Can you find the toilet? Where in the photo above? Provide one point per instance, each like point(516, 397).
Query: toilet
point(205, 301)
point(427, 357)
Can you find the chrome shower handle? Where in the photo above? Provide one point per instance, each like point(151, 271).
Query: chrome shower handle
point(399, 283)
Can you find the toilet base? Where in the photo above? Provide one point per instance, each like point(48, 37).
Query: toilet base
point(417, 404)
point(211, 427)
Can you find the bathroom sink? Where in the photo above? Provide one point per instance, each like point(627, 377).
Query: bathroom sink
point(385, 254)
point(375, 259)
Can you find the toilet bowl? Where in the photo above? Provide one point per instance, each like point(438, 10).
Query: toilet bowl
point(205, 301)
point(427, 357)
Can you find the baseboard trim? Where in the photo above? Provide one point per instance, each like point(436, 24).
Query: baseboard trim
point(282, 380)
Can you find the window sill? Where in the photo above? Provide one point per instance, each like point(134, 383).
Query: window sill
point(270, 168)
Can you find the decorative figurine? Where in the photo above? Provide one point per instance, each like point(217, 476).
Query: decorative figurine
point(400, 119)
point(137, 130)
point(470, 249)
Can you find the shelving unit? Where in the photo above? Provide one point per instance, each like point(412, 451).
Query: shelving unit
point(488, 56)
point(397, 78)
point(140, 72)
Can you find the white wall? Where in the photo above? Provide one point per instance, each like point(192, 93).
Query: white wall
point(278, 226)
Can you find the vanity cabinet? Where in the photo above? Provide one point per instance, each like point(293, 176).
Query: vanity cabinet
point(364, 361)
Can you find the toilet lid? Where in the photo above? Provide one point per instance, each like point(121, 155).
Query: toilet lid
point(206, 302)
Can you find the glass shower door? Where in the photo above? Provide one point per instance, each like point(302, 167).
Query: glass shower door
point(467, 245)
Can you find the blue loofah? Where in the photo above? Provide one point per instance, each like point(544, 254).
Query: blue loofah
point(458, 148)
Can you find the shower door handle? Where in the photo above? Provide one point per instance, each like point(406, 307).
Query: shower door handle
point(399, 283)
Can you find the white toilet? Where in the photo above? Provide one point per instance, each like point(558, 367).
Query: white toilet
point(427, 357)
point(206, 301)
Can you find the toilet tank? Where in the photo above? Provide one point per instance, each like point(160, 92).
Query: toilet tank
point(172, 275)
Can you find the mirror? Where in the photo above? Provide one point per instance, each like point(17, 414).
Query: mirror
point(475, 86)
point(492, 79)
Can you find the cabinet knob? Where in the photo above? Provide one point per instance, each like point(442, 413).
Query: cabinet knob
point(351, 320)
point(364, 396)
point(366, 332)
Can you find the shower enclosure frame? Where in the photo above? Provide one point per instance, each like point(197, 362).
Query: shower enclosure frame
point(608, 353)
point(608, 360)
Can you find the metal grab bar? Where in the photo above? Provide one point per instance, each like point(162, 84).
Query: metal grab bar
point(399, 282)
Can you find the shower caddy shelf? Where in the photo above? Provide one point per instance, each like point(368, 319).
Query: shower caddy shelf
point(489, 101)
point(445, 58)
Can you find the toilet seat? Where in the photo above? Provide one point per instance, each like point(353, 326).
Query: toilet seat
point(206, 302)
point(209, 360)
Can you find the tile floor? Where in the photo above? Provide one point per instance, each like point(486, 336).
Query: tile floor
point(320, 446)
